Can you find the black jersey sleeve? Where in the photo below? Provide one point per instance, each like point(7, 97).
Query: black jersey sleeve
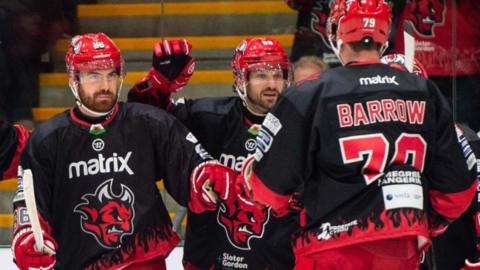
point(282, 148)
point(38, 157)
point(8, 144)
point(451, 181)
point(179, 152)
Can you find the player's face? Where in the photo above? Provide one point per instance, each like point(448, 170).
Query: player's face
point(98, 89)
point(264, 86)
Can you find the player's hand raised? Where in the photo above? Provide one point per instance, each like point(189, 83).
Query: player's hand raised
point(172, 65)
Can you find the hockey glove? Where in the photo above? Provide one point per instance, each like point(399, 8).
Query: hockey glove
point(144, 92)
point(172, 65)
point(244, 191)
point(25, 254)
point(210, 184)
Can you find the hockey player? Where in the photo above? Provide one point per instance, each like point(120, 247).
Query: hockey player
point(93, 170)
point(12, 142)
point(375, 149)
point(237, 235)
point(462, 238)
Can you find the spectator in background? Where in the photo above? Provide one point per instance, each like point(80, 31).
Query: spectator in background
point(307, 67)
point(27, 29)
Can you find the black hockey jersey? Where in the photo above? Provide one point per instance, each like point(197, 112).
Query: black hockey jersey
point(237, 236)
point(98, 193)
point(376, 151)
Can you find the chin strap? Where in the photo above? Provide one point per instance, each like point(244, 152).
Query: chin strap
point(74, 88)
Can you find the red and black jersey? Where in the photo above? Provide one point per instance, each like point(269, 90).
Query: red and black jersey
point(98, 192)
point(375, 150)
point(12, 142)
point(236, 236)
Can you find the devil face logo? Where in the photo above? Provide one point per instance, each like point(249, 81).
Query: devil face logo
point(425, 15)
point(242, 221)
point(107, 216)
point(320, 13)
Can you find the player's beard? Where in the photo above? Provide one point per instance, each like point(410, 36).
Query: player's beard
point(101, 101)
point(264, 101)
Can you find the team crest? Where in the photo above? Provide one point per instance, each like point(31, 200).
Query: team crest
point(242, 222)
point(106, 216)
point(425, 15)
point(320, 13)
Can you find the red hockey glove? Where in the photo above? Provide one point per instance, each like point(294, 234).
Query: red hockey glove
point(25, 254)
point(244, 191)
point(211, 183)
point(144, 92)
point(471, 266)
point(172, 65)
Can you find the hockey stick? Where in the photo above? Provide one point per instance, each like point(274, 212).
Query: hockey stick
point(210, 193)
point(31, 204)
point(409, 44)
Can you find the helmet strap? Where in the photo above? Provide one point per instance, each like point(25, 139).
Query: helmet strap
point(243, 95)
point(336, 48)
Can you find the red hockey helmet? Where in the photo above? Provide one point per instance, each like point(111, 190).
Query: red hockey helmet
point(90, 52)
point(93, 52)
point(355, 20)
point(397, 60)
point(257, 53)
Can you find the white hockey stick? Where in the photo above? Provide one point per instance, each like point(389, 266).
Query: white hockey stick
point(409, 44)
point(31, 204)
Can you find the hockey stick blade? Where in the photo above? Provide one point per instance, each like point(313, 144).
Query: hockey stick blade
point(31, 204)
point(409, 44)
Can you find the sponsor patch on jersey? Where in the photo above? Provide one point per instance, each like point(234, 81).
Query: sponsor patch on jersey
point(202, 152)
point(272, 123)
point(378, 80)
point(264, 140)
point(328, 230)
point(233, 261)
point(191, 138)
point(100, 164)
point(258, 155)
point(250, 144)
point(98, 145)
point(232, 161)
point(403, 196)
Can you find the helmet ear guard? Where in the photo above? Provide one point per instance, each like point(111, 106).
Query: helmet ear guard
point(90, 52)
